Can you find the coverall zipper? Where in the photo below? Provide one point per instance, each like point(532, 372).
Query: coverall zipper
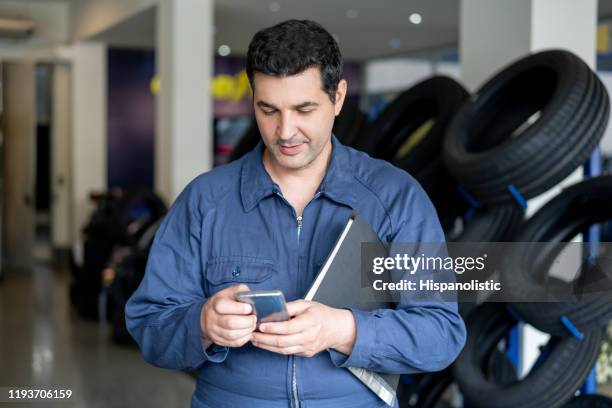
point(298, 219)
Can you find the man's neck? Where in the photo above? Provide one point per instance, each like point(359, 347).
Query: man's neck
point(299, 185)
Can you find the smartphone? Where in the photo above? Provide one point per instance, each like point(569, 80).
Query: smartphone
point(269, 305)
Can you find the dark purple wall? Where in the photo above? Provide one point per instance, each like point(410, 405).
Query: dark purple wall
point(131, 118)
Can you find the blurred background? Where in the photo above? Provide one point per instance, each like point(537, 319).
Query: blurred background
point(109, 107)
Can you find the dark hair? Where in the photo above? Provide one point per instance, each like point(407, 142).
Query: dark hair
point(293, 46)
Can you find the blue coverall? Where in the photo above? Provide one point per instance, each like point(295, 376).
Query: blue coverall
point(232, 225)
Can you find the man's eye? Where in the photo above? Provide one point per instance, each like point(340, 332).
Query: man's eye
point(305, 112)
point(268, 113)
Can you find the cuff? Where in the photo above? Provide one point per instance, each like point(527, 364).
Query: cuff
point(196, 351)
point(365, 339)
point(215, 353)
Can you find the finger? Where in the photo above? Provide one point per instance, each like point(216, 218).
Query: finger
point(232, 290)
point(230, 306)
point(297, 307)
point(233, 335)
point(279, 350)
point(237, 342)
point(242, 341)
point(237, 322)
point(306, 353)
point(291, 326)
point(280, 341)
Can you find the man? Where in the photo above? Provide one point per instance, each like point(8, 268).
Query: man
point(267, 221)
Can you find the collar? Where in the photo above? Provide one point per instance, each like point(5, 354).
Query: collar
point(338, 183)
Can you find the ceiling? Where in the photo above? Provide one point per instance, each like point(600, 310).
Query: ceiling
point(365, 29)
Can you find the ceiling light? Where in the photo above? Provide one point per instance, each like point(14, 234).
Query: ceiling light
point(415, 18)
point(224, 50)
point(352, 13)
point(16, 27)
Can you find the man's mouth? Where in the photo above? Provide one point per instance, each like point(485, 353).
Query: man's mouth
point(291, 150)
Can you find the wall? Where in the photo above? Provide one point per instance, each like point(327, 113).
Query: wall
point(61, 208)
point(90, 17)
point(88, 129)
point(131, 118)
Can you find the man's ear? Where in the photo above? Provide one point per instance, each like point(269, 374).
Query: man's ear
point(340, 95)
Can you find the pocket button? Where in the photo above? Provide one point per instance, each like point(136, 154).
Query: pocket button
point(236, 272)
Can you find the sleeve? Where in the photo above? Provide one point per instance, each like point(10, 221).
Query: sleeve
point(163, 314)
point(425, 334)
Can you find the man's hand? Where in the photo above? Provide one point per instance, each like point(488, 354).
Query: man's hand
point(313, 328)
point(225, 321)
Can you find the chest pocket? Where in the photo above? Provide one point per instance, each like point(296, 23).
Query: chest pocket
point(256, 273)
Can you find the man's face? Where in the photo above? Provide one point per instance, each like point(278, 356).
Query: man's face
point(295, 116)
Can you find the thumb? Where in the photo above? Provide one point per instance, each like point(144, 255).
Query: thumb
point(297, 307)
point(232, 290)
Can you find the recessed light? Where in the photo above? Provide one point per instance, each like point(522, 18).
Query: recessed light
point(352, 13)
point(224, 50)
point(415, 18)
point(274, 7)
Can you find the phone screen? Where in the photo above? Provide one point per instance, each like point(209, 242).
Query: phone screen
point(269, 305)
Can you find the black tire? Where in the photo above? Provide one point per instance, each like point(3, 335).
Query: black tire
point(247, 142)
point(491, 145)
point(496, 224)
point(426, 390)
point(350, 123)
point(435, 99)
point(115, 222)
point(131, 226)
point(566, 215)
point(484, 230)
point(501, 369)
point(589, 401)
point(442, 190)
point(550, 384)
point(113, 219)
point(129, 272)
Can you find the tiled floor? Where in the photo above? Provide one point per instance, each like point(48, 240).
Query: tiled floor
point(43, 343)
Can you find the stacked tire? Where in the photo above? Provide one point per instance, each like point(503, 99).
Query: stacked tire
point(573, 211)
point(551, 383)
point(529, 127)
point(525, 130)
point(126, 270)
point(120, 219)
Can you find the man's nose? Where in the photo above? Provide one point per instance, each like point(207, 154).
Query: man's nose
point(286, 127)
